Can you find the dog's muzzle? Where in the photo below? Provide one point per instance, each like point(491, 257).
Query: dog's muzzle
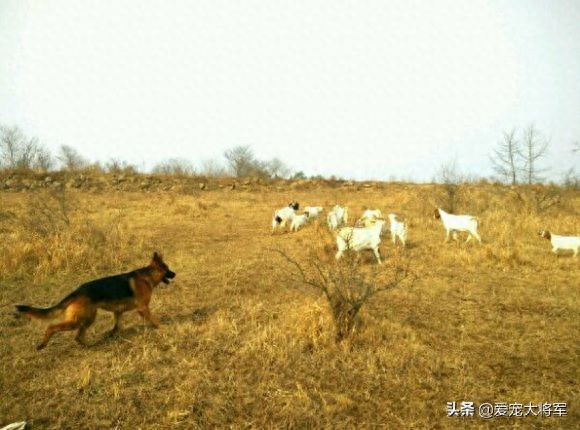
point(169, 275)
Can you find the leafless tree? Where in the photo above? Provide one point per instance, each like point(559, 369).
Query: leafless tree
point(241, 160)
point(44, 160)
point(534, 147)
point(11, 141)
point(571, 178)
point(20, 152)
point(506, 159)
point(277, 169)
point(71, 159)
point(243, 163)
point(212, 168)
point(175, 166)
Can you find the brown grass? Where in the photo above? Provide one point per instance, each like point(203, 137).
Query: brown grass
point(244, 346)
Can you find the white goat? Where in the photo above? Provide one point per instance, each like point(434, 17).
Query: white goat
point(567, 243)
point(359, 238)
point(369, 217)
point(283, 215)
point(299, 221)
point(313, 211)
point(337, 216)
point(398, 230)
point(455, 223)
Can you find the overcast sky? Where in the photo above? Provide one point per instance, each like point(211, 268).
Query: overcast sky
point(358, 89)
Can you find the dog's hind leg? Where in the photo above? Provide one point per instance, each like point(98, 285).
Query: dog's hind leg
point(78, 315)
point(85, 324)
point(55, 328)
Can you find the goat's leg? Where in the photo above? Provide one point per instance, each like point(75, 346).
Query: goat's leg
point(376, 252)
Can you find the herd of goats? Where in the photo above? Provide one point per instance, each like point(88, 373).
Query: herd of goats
point(367, 231)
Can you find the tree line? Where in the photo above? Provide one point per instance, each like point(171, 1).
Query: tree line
point(516, 159)
point(21, 153)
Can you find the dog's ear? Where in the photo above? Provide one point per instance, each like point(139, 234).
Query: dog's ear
point(157, 256)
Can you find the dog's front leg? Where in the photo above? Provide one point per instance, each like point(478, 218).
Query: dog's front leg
point(146, 313)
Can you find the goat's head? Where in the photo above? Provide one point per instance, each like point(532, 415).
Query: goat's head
point(545, 234)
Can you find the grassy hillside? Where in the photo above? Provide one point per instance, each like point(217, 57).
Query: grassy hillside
point(245, 344)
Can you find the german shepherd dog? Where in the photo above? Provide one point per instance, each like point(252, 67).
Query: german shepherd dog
point(117, 294)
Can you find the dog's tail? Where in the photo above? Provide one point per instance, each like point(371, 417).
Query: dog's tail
point(44, 313)
point(40, 313)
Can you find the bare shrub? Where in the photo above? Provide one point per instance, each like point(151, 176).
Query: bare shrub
point(48, 214)
point(117, 166)
point(347, 286)
point(176, 167)
point(538, 198)
point(451, 179)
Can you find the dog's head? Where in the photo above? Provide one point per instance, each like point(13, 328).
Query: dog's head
point(294, 205)
point(436, 214)
point(166, 273)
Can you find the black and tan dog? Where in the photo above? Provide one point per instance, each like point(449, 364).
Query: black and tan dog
point(117, 294)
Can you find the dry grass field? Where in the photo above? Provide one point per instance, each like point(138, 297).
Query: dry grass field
point(244, 344)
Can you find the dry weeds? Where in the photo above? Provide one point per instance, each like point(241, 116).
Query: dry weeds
point(243, 346)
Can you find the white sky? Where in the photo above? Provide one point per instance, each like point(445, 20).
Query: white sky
point(359, 89)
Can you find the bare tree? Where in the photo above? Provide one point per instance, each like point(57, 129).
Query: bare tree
point(44, 160)
point(505, 159)
point(571, 178)
point(534, 147)
point(71, 159)
point(277, 169)
point(212, 168)
point(19, 152)
point(175, 166)
point(10, 141)
point(241, 160)
point(243, 163)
